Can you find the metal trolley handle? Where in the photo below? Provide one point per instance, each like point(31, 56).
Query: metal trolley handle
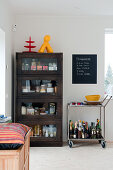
point(104, 104)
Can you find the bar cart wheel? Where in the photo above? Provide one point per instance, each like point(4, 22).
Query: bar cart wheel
point(70, 144)
point(103, 144)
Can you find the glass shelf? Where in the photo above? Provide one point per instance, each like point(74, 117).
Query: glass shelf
point(44, 131)
point(39, 86)
point(39, 109)
point(39, 64)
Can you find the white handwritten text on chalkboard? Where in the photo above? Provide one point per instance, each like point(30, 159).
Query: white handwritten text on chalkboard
point(84, 69)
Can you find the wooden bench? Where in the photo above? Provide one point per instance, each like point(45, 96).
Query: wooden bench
point(16, 159)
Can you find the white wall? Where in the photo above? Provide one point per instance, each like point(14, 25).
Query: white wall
point(70, 35)
point(6, 21)
point(2, 72)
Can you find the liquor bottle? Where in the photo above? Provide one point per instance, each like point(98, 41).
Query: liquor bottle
point(80, 130)
point(75, 135)
point(87, 131)
point(70, 129)
point(98, 129)
point(90, 129)
point(73, 130)
point(83, 129)
point(93, 131)
point(38, 130)
point(83, 132)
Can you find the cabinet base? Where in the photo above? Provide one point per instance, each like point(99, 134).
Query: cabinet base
point(46, 144)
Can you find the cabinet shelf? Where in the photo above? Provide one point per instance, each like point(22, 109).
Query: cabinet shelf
point(41, 138)
point(41, 72)
point(38, 94)
point(39, 117)
point(41, 122)
point(38, 97)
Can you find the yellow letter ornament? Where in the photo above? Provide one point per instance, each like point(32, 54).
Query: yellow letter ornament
point(46, 45)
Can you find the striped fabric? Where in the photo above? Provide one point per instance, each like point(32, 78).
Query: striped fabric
point(13, 133)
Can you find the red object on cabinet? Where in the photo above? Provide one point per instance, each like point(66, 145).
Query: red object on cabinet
point(30, 46)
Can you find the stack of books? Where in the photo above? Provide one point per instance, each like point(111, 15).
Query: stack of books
point(4, 119)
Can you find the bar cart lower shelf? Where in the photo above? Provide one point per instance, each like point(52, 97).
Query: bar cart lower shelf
point(101, 140)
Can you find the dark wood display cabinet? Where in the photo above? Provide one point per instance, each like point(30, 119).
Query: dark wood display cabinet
point(39, 95)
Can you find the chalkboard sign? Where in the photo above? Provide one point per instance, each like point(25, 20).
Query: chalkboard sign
point(84, 69)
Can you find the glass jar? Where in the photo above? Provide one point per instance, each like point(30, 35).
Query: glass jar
point(42, 111)
point(52, 108)
point(54, 66)
point(24, 89)
point(28, 85)
point(37, 84)
point(49, 84)
point(39, 66)
point(43, 88)
point(37, 89)
point(30, 110)
point(23, 110)
point(45, 67)
point(44, 130)
point(47, 132)
point(36, 111)
point(50, 66)
point(23, 66)
point(54, 131)
point(51, 132)
point(56, 89)
point(27, 66)
point(50, 89)
point(33, 64)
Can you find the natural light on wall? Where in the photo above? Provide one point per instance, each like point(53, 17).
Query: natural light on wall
point(108, 62)
point(2, 72)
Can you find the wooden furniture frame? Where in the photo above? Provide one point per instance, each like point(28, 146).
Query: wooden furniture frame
point(21, 97)
point(16, 159)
